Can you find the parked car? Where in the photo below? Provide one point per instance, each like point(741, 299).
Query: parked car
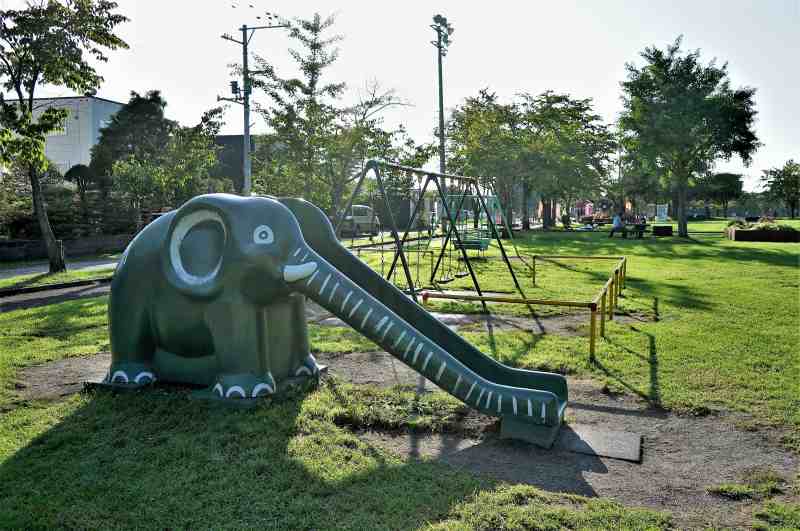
point(361, 219)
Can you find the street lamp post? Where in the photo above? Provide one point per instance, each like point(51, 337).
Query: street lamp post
point(443, 31)
point(242, 95)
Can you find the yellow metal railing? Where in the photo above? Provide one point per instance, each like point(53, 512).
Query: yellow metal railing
point(601, 307)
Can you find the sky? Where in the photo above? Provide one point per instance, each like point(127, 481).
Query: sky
point(509, 47)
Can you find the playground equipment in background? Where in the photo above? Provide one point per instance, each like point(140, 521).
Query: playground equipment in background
point(212, 294)
point(471, 219)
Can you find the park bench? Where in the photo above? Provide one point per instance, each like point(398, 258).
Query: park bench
point(475, 240)
point(634, 228)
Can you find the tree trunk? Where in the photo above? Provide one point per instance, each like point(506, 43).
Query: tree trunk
point(725, 209)
point(546, 220)
point(683, 227)
point(526, 192)
point(55, 252)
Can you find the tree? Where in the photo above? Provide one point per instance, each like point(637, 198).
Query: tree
point(567, 148)
point(550, 142)
point(722, 187)
point(83, 177)
point(484, 142)
point(188, 160)
point(49, 43)
point(784, 184)
point(682, 115)
point(180, 170)
point(139, 130)
point(303, 114)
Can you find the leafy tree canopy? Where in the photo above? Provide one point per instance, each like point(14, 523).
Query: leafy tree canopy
point(48, 43)
point(784, 184)
point(139, 130)
point(682, 115)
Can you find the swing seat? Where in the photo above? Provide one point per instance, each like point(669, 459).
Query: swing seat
point(462, 274)
point(445, 280)
point(474, 240)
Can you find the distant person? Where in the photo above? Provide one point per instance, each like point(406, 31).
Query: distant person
point(617, 225)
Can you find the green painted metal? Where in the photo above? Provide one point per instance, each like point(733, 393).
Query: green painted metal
point(531, 397)
point(212, 294)
point(200, 297)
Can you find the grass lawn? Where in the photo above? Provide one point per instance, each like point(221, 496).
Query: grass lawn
point(726, 336)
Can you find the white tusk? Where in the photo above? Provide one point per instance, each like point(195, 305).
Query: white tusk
point(293, 273)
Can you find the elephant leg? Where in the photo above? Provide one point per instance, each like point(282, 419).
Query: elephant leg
point(132, 346)
point(238, 330)
point(303, 362)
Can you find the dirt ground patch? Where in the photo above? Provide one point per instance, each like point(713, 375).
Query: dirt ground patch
point(682, 455)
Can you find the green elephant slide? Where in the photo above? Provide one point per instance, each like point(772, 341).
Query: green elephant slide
point(213, 294)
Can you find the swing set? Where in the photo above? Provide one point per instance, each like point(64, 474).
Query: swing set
point(469, 223)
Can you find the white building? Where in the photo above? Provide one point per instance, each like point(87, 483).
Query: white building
point(72, 144)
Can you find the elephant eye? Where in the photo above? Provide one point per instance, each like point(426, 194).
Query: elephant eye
point(263, 235)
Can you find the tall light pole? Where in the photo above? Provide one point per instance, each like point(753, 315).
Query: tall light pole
point(443, 31)
point(242, 95)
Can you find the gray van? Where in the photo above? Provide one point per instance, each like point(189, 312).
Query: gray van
point(361, 219)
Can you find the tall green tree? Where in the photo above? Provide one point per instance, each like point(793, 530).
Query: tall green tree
point(566, 147)
point(303, 113)
point(484, 142)
point(721, 187)
point(783, 184)
point(551, 142)
point(49, 43)
point(683, 115)
point(139, 129)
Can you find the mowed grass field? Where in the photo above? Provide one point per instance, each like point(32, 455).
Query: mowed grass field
point(718, 328)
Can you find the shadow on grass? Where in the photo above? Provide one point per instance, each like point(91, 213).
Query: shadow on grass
point(653, 395)
point(34, 300)
point(141, 460)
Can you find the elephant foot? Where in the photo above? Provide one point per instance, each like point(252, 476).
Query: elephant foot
point(308, 367)
point(238, 386)
point(130, 375)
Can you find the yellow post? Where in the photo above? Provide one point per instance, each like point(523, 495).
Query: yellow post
point(593, 332)
point(624, 273)
point(603, 314)
point(611, 289)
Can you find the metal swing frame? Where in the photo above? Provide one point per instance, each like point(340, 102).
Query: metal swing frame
point(469, 182)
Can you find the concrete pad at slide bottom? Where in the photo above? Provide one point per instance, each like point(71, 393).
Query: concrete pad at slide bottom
point(592, 440)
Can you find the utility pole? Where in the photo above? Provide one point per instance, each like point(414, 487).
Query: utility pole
point(443, 31)
point(247, 169)
point(242, 95)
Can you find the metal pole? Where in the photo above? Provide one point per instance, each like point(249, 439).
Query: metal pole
point(441, 106)
point(246, 167)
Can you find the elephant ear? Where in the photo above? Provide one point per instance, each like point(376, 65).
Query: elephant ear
point(194, 251)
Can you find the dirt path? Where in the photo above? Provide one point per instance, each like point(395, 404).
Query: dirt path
point(682, 455)
point(43, 267)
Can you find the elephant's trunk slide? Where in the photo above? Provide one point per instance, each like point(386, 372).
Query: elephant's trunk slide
point(310, 274)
